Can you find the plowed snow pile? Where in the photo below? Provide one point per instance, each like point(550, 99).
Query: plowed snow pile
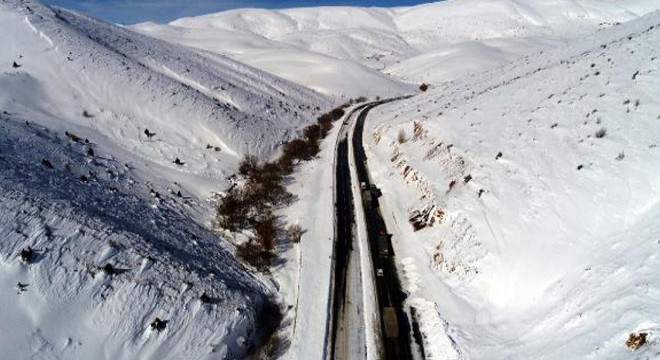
point(535, 190)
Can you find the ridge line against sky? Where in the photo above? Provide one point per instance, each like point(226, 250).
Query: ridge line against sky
point(163, 11)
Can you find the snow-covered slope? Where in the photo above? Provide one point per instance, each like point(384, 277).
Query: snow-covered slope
point(431, 43)
point(163, 260)
point(85, 186)
point(128, 82)
point(539, 190)
point(323, 72)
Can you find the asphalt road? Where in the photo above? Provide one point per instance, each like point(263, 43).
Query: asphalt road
point(388, 286)
point(346, 304)
point(348, 340)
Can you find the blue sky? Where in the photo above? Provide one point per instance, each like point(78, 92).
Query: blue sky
point(132, 11)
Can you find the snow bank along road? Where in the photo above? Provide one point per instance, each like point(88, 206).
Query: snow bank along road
point(347, 341)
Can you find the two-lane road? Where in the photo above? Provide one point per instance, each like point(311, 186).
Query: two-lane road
point(348, 339)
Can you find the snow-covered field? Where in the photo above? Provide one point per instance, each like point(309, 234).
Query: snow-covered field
point(539, 187)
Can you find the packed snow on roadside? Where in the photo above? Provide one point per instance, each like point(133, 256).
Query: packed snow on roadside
point(92, 119)
point(535, 191)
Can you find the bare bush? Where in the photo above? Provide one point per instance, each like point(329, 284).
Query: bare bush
point(295, 232)
point(271, 343)
point(250, 206)
point(601, 133)
point(252, 253)
point(232, 211)
point(259, 251)
point(248, 165)
point(325, 121)
point(636, 340)
point(298, 150)
point(267, 231)
point(401, 137)
point(312, 133)
point(265, 188)
point(419, 132)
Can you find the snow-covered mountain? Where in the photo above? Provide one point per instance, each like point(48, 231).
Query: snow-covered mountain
point(522, 187)
point(92, 119)
point(534, 189)
point(348, 50)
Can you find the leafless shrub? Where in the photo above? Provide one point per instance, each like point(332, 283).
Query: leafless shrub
point(252, 253)
point(636, 340)
point(271, 343)
point(401, 137)
point(419, 132)
point(295, 232)
point(249, 207)
point(299, 149)
point(601, 133)
point(231, 213)
point(248, 165)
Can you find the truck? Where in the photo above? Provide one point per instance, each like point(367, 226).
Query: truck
point(390, 323)
point(383, 245)
point(375, 191)
point(366, 199)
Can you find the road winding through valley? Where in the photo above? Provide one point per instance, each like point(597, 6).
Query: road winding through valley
point(347, 321)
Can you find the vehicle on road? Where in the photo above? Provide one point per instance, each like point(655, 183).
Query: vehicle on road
point(375, 191)
point(390, 323)
point(383, 245)
point(379, 272)
point(366, 199)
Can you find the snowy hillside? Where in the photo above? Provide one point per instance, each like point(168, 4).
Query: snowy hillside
point(346, 49)
point(534, 189)
point(128, 83)
point(323, 72)
point(80, 213)
point(113, 231)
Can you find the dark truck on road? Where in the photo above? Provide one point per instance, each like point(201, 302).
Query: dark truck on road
point(383, 245)
point(390, 323)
